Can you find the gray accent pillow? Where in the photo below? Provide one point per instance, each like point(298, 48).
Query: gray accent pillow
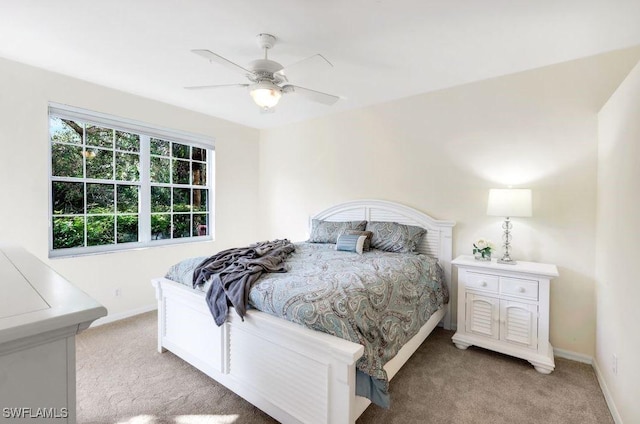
point(394, 237)
point(328, 231)
point(368, 234)
point(351, 243)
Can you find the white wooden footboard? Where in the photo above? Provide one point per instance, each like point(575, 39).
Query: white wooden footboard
point(292, 373)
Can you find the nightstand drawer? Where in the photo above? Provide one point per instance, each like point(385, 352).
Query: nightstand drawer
point(484, 282)
point(519, 287)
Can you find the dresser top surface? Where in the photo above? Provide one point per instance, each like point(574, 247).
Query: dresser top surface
point(34, 298)
point(18, 296)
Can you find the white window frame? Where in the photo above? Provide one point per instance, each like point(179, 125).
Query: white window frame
point(146, 132)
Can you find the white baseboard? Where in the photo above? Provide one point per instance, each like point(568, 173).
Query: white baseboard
point(574, 356)
point(122, 315)
point(607, 394)
point(579, 357)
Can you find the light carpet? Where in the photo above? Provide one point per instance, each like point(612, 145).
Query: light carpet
point(121, 378)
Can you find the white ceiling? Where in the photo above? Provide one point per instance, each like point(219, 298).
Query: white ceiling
point(381, 50)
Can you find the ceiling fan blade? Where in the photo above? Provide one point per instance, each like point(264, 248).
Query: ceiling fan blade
point(316, 96)
point(213, 57)
point(201, 87)
point(317, 61)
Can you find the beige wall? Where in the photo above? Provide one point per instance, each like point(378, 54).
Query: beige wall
point(25, 93)
point(441, 152)
point(618, 232)
point(438, 152)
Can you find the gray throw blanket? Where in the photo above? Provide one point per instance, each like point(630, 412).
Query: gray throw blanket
point(235, 270)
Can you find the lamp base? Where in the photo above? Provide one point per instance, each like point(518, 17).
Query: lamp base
point(506, 237)
point(507, 261)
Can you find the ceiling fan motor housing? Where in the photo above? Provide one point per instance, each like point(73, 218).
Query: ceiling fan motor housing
point(264, 65)
point(265, 69)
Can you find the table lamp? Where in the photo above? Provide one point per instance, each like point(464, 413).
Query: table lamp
point(509, 203)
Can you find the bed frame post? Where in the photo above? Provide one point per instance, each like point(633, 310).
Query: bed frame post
point(342, 393)
point(161, 322)
point(444, 259)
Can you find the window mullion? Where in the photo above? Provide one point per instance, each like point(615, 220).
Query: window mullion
point(144, 218)
point(115, 189)
point(210, 195)
point(84, 185)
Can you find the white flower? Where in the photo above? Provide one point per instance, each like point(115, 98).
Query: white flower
point(482, 244)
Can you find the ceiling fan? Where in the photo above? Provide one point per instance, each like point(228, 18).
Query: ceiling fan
point(268, 78)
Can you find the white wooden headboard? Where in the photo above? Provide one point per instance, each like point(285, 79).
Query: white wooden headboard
point(437, 242)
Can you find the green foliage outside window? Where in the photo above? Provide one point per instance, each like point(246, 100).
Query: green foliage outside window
point(68, 232)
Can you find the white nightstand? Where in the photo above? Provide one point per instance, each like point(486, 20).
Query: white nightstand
point(505, 308)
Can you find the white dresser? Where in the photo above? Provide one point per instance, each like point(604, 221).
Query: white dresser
point(40, 314)
point(505, 308)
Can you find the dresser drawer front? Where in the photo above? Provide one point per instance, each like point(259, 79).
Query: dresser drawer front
point(484, 282)
point(527, 289)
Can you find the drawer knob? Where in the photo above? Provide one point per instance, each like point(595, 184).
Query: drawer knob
point(521, 289)
point(484, 284)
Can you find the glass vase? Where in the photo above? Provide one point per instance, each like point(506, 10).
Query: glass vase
point(482, 256)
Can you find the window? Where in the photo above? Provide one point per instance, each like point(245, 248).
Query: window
point(118, 184)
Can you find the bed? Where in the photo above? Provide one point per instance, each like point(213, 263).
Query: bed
point(301, 375)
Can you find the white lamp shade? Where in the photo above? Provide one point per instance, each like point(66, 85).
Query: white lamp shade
point(509, 202)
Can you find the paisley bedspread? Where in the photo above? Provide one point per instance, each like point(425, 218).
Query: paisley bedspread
point(378, 299)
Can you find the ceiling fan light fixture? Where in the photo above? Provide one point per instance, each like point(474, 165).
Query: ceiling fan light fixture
point(265, 94)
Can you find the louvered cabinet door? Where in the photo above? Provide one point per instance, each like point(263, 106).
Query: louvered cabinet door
point(519, 323)
point(482, 315)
